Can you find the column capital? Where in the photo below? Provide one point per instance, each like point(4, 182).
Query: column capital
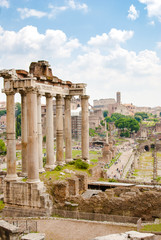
point(68, 97)
point(12, 92)
point(23, 92)
point(59, 96)
point(85, 97)
point(49, 95)
point(31, 90)
point(39, 93)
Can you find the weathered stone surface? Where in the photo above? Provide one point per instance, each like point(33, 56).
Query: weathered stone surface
point(83, 182)
point(73, 186)
point(8, 231)
point(96, 172)
point(132, 235)
point(60, 190)
point(34, 236)
point(26, 199)
point(129, 202)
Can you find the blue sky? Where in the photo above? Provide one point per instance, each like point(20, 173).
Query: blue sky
point(112, 45)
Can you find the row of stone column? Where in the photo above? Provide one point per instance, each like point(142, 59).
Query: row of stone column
point(31, 132)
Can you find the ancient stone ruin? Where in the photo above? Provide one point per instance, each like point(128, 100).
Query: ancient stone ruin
point(30, 198)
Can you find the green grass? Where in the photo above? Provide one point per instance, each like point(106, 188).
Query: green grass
point(2, 205)
point(94, 160)
point(56, 175)
point(152, 228)
point(75, 153)
point(93, 152)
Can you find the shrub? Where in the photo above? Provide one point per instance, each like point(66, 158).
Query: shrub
point(81, 164)
point(58, 168)
point(44, 161)
point(71, 163)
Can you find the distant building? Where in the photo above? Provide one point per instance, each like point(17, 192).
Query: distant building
point(118, 98)
point(2, 106)
point(76, 123)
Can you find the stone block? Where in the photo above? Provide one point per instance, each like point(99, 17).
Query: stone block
point(83, 182)
point(132, 235)
point(8, 231)
point(34, 236)
point(26, 198)
point(96, 172)
point(60, 190)
point(73, 186)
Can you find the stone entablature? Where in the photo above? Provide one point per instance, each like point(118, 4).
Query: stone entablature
point(21, 80)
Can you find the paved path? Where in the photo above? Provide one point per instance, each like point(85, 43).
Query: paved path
point(116, 170)
point(67, 229)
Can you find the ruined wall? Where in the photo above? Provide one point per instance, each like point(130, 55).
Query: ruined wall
point(62, 190)
point(26, 199)
point(123, 201)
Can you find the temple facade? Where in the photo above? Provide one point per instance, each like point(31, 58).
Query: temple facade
point(39, 81)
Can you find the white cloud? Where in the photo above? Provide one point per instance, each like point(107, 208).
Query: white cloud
point(54, 10)
point(133, 14)
point(153, 7)
point(107, 42)
point(120, 35)
point(28, 42)
point(136, 75)
point(152, 23)
point(27, 13)
point(4, 3)
point(77, 6)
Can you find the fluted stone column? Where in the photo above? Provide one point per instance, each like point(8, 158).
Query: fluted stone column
point(50, 159)
point(59, 130)
point(68, 133)
point(11, 142)
point(24, 132)
point(33, 164)
point(85, 128)
point(39, 132)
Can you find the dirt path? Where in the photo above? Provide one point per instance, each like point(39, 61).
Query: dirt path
point(65, 229)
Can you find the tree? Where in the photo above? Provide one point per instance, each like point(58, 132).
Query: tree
point(132, 125)
point(18, 126)
point(18, 109)
point(138, 118)
point(92, 132)
point(18, 119)
point(102, 123)
point(128, 124)
point(3, 148)
point(142, 114)
point(2, 112)
point(121, 123)
point(105, 113)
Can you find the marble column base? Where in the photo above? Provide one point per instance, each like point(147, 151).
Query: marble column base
point(41, 170)
point(68, 160)
point(33, 181)
point(62, 163)
point(50, 167)
point(11, 177)
point(86, 160)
